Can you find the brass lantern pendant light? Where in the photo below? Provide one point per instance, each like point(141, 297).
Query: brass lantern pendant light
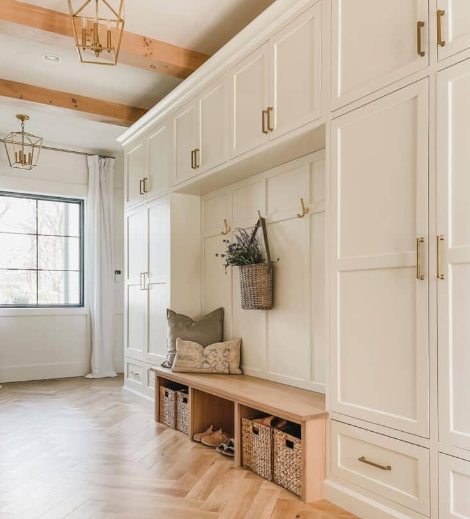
point(22, 148)
point(97, 30)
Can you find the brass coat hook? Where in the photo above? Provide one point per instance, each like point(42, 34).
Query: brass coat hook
point(226, 228)
point(305, 210)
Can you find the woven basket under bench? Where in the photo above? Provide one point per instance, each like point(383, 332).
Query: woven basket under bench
point(174, 408)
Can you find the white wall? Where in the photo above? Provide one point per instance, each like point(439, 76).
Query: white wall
point(52, 343)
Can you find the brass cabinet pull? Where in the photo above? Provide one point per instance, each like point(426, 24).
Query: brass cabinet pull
point(419, 241)
point(263, 120)
point(440, 14)
point(192, 160)
point(145, 184)
point(196, 161)
point(440, 239)
point(141, 184)
point(269, 111)
point(226, 228)
point(419, 27)
point(305, 210)
point(362, 459)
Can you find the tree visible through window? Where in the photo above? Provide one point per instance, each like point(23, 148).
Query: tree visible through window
point(41, 251)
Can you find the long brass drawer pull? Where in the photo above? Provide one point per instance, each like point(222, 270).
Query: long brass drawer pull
point(362, 459)
point(145, 185)
point(192, 159)
point(440, 275)
point(419, 27)
point(196, 161)
point(440, 14)
point(264, 113)
point(419, 241)
point(141, 188)
point(269, 111)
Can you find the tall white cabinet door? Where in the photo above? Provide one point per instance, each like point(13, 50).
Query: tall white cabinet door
point(135, 166)
point(455, 26)
point(453, 224)
point(379, 310)
point(158, 161)
point(185, 141)
point(296, 72)
point(366, 54)
point(158, 278)
point(249, 91)
point(213, 126)
point(136, 265)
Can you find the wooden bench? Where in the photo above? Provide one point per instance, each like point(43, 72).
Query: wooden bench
point(226, 399)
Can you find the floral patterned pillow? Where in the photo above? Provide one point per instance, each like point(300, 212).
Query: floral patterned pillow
point(220, 357)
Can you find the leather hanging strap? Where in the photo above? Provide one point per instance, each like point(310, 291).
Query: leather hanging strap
point(262, 223)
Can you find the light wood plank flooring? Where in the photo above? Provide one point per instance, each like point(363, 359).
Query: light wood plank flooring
point(76, 449)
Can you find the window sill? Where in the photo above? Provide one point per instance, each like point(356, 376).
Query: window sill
point(36, 312)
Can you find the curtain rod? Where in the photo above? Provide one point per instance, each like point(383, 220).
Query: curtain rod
point(63, 150)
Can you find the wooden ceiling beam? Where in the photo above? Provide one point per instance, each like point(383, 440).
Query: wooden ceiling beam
point(54, 28)
point(86, 107)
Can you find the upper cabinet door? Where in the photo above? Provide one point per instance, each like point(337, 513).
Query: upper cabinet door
point(453, 16)
point(379, 276)
point(185, 139)
point(158, 161)
point(375, 44)
point(296, 73)
point(249, 94)
point(213, 126)
point(453, 224)
point(135, 159)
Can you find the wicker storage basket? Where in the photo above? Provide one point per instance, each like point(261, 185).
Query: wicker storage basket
point(182, 411)
point(168, 406)
point(287, 464)
point(257, 448)
point(256, 281)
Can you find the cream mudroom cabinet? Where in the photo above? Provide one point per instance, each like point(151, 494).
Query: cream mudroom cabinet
point(277, 88)
point(453, 27)
point(148, 166)
point(374, 44)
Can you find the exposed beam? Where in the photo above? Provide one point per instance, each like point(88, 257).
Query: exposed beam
point(54, 28)
point(87, 107)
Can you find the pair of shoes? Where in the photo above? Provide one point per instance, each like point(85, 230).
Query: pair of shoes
point(227, 449)
point(211, 438)
point(272, 421)
point(199, 436)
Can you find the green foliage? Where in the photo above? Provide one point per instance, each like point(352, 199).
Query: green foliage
point(243, 251)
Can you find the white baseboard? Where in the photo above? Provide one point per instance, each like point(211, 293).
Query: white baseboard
point(138, 397)
point(44, 371)
point(361, 505)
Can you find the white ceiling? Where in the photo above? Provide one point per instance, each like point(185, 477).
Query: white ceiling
point(202, 25)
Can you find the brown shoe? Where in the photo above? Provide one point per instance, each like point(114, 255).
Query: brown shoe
point(215, 439)
point(198, 436)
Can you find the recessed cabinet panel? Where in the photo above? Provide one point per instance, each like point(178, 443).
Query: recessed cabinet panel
point(296, 61)
point(136, 320)
point(135, 173)
point(379, 215)
point(213, 126)
point(249, 97)
point(136, 245)
point(453, 224)
point(375, 44)
point(455, 27)
point(454, 488)
point(158, 161)
point(185, 141)
point(159, 241)
point(288, 340)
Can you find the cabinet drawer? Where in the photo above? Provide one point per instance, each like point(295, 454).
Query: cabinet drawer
point(134, 372)
point(394, 469)
point(454, 488)
point(149, 380)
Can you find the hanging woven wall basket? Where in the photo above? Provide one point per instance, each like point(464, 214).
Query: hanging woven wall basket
point(256, 281)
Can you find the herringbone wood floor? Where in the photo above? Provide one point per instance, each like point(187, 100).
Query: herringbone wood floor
point(76, 449)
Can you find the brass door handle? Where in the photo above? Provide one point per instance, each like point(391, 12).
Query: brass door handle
point(269, 111)
point(362, 459)
point(419, 27)
point(141, 189)
point(440, 14)
point(305, 210)
point(440, 239)
point(227, 228)
point(192, 160)
point(419, 241)
point(196, 162)
point(145, 184)
point(263, 120)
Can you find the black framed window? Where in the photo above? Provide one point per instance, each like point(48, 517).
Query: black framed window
point(41, 251)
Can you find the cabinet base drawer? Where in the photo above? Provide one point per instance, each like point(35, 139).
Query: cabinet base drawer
point(134, 372)
point(454, 488)
point(393, 469)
